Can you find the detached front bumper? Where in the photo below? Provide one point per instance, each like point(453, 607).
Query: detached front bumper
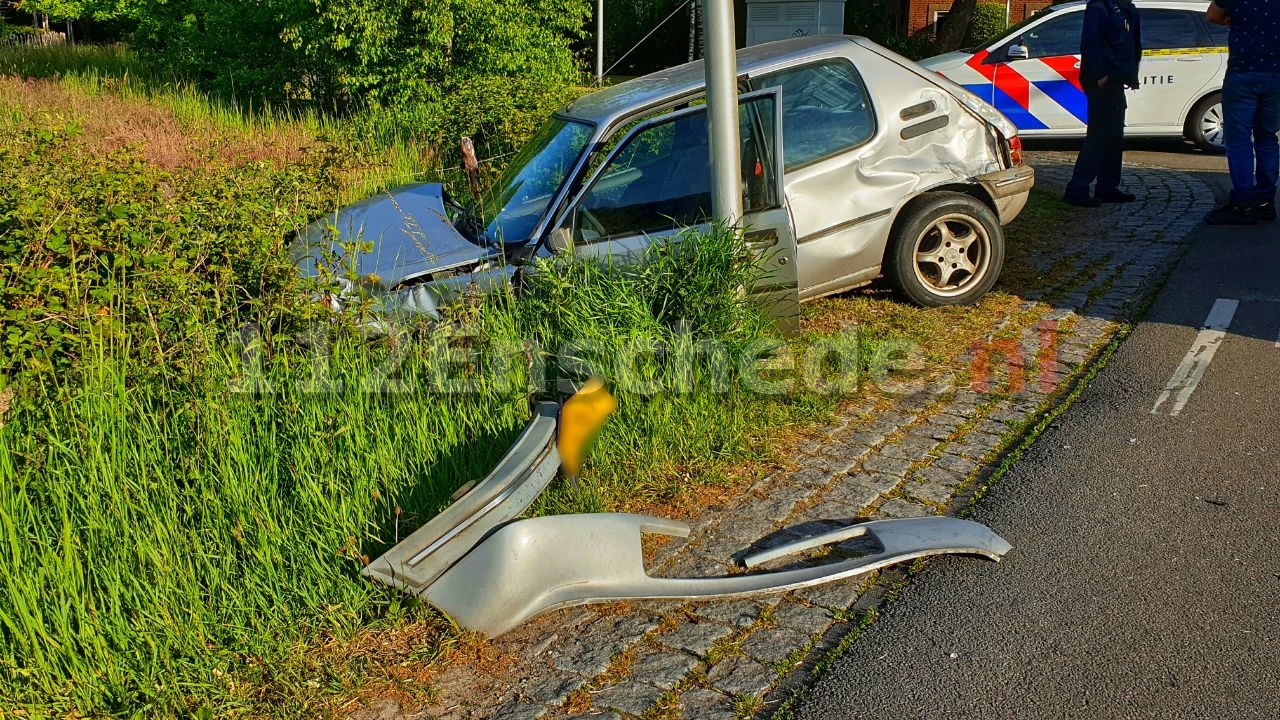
point(490, 572)
point(1010, 189)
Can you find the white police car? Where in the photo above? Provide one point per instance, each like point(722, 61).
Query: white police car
point(1032, 73)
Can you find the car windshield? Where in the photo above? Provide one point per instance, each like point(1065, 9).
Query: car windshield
point(513, 206)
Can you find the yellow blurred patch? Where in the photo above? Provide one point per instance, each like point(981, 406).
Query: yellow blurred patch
point(580, 419)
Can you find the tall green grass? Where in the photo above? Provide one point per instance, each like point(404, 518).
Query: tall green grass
point(41, 61)
point(183, 517)
point(166, 549)
point(392, 152)
point(172, 546)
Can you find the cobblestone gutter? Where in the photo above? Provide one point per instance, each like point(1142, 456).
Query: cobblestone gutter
point(746, 658)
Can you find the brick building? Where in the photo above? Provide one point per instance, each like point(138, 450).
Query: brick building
point(924, 14)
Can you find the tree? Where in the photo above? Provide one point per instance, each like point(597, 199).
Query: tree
point(955, 25)
point(75, 9)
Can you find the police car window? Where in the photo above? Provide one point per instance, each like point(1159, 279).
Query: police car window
point(1217, 34)
point(1167, 29)
point(825, 110)
point(1059, 36)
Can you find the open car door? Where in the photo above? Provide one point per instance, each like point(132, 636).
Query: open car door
point(656, 182)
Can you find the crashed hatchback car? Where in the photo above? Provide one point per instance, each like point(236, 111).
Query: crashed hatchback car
point(856, 163)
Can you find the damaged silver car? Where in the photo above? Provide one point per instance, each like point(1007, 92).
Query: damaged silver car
point(856, 163)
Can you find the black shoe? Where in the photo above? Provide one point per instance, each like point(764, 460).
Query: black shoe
point(1264, 211)
point(1083, 201)
point(1115, 196)
point(1231, 214)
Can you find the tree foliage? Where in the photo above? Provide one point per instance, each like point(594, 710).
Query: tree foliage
point(75, 9)
point(469, 65)
point(987, 23)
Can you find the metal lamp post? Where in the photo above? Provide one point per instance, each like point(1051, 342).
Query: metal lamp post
point(599, 42)
point(721, 63)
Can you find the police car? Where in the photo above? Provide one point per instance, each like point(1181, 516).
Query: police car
point(1032, 73)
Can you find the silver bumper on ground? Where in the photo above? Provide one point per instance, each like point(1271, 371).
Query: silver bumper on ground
point(491, 572)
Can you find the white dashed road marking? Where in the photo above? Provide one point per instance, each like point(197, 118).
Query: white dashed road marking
point(1191, 370)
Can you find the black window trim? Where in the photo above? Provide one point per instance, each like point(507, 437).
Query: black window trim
point(857, 76)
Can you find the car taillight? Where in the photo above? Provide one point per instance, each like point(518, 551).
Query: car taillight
point(1015, 150)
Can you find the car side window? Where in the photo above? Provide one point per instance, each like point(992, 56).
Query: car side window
point(825, 111)
point(1051, 38)
point(1057, 37)
point(1217, 34)
point(1168, 29)
point(660, 178)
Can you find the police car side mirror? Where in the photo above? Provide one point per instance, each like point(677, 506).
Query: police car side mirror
point(1017, 52)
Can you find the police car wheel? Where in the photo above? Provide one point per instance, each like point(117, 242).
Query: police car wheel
point(1204, 124)
point(947, 249)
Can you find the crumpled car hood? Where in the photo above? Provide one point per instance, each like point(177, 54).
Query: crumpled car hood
point(408, 228)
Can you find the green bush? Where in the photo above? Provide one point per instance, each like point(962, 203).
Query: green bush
point(7, 30)
point(114, 245)
point(442, 68)
point(916, 47)
point(872, 19)
point(987, 23)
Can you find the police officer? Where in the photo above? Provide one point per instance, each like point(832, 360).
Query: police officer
point(1110, 49)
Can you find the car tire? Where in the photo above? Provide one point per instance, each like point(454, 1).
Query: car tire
point(1204, 124)
point(947, 248)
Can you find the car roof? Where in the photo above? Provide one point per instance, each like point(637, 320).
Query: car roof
point(1058, 7)
point(606, 106)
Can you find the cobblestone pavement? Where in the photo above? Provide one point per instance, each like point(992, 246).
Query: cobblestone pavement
point(922, 456)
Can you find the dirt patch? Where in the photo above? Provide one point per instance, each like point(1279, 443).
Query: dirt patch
point(109, 123)
point(397, 671)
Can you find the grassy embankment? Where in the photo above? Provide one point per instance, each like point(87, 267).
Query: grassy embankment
point(181, 521)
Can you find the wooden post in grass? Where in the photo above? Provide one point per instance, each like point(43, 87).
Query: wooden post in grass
point(472, 167)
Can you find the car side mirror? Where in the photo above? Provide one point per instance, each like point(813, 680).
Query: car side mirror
point(560, 241)
point(1017, 51)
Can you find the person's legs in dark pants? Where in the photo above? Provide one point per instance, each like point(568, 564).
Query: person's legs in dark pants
point(1112, 155)
point(1240, 106)
point(1266, 146)
point(1103, 147)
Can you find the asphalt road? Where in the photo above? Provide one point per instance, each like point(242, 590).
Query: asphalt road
point(1145, 576)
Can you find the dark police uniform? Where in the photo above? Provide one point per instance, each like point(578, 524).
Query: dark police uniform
point(1110, 48)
